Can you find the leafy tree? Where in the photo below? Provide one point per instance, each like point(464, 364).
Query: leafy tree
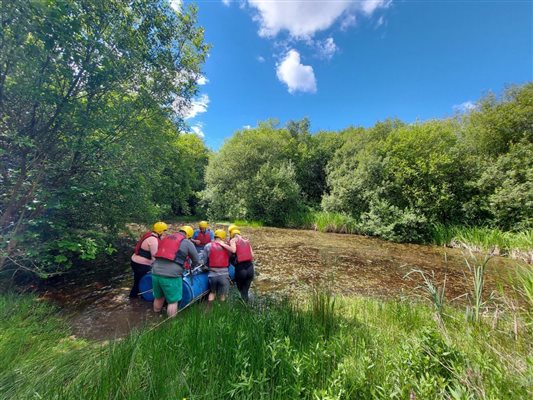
point(508, 187)
point(495, 124)
point(236, 178)
point(273, 193)
point(499, 136)
point(89, 92)
point(182, 178)
point(355, 174)
point(395, 178)
point(425, 170)
point(311, 156)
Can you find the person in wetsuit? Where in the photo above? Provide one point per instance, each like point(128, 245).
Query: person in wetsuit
point(244, 266)
point(144, 254)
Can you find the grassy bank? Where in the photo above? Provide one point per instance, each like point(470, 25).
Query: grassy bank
point(513, 244)
point(325, 349)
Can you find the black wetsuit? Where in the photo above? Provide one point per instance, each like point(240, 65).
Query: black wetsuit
point(139, 270)
point(244, 274)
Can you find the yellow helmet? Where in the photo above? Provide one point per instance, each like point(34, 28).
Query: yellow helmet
point(234, 232)
point(232, 227)
point(203, 224)
point(220, 233)
point(188, 231)
point(159, 227)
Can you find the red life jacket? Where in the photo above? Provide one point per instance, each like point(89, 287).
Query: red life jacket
point(218, 256)
point(169, 246)
point(204, 237)
point(140, 251)
point(244, 250)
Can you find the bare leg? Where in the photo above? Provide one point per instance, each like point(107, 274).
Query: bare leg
point(172, 309)
point(222, 297)
point(158, 304)
point(212, 296)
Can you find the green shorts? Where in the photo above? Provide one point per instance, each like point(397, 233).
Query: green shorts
point(169, 288)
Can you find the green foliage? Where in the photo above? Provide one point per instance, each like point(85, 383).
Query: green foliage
point(392, 223)
point(182, 178)
point(485, 239)
point(427, 367)
point(397, 180)
point(496, 124)
point(324, 347)
point(357, 169)
point(508, 185)
point(273, 192)
point(410, 183)
point(252, 177)
point(90, 98)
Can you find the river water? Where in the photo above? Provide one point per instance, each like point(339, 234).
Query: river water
point(288, 263)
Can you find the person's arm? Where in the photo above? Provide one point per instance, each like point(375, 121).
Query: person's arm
point(206, 250)
point(224, 245)
point(193, 254)
point(233, 245)
point(153, 245)
point(211, 235)
point(194, 236)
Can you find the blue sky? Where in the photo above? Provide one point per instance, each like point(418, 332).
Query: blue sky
point(343, 63)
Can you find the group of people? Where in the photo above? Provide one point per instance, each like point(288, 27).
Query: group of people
point(167, 256)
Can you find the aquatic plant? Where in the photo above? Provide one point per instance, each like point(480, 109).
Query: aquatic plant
point(435, 292)
point(477, 270)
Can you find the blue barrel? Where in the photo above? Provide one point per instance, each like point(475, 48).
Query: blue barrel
point(193, 287)
point(145, 287)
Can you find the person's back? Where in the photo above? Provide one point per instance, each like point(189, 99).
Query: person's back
point(168, 268)
point(244, 267)
point(144, 254)
point(216, 255)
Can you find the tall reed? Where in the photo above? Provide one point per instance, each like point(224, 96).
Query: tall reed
point(477, 271)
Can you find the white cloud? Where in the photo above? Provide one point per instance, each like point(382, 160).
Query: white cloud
point(261, 59)
point(326, 49)
point(197, 106)
point(370, 6)
point(202, 80)
point(198, 130)
point(247, 127)
point(302, 19)
point(176, 5)
point(297, 77)
point(226, 2)
point(348, 22)
point(464, 107)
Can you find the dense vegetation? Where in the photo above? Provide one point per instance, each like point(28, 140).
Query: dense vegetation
point(91, 94)
point(394, 180)
point(325, 348)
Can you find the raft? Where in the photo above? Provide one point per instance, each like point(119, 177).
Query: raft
point(195, 286)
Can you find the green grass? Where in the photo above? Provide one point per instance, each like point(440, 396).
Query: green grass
point(323, 221)
point(250, 224)
point(484, 239)
point(325, 348)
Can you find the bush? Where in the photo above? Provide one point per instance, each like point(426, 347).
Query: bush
point(391, 223)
